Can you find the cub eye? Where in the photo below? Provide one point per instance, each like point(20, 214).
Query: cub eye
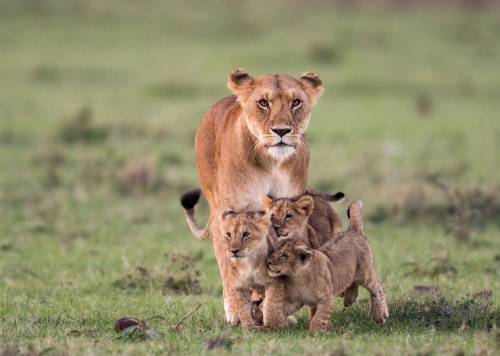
point(263, 103)
point(245, 235)
point(295, 103)
point(283, 255)
point(228, 235)
point(272, 216)
point(288, 216)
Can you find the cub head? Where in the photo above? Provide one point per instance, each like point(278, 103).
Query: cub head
point(246, 234)
point(288, 215)
point(288, 257)
point(277, 108)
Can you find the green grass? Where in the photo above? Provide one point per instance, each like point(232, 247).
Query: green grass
point(93, 92)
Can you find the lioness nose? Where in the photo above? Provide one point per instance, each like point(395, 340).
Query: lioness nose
point(281, 132)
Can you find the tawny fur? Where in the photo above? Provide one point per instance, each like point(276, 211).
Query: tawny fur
point(315, 277)
point(248, 240)
point(307, 216)
point(253, 143)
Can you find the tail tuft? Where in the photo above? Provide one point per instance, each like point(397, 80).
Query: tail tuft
point(339, 196)
point(190, 199)
point(328, 197)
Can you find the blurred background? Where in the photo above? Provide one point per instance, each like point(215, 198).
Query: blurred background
point(100, 102)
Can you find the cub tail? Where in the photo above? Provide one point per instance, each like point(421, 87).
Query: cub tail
point(354, 215)
point(188, 201)
point(339, 196)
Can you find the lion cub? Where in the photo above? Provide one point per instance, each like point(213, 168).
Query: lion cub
point(309, 216)
point(249, 237)
point(315, 277)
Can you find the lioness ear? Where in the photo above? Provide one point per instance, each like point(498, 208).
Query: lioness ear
point(266, 201)
point(312, 85)
point(240, 83)
point(304, 253)
point(306, 203)
point(227, 212)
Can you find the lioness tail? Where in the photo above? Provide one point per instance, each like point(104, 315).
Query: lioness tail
point(188, 201)
point(354, 215)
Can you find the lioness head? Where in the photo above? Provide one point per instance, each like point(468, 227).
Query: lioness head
point(246, 234)
point(288, 257)
point(288, 215)
point(277, 108)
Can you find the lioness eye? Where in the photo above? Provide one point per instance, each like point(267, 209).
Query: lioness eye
point(263, 103)
point(295, 103)
point(228, 235)
point(245, 234)
point(288, 216)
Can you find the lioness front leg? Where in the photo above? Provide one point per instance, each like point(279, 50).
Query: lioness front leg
point(321, 319)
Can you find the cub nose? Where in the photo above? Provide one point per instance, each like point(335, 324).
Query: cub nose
point(234, 251)
point(281, 132)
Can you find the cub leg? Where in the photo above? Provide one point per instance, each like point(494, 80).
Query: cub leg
point(240, 298)
point(273, 308)
point(380, 311)
point(350, 294)
point(321, 319)
point(311, 310)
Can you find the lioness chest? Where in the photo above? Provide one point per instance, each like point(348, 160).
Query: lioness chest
point(245, 194)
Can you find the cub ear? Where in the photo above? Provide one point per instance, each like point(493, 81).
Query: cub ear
point(240, 83)
point(304, 253)
point(227, 212)
point(306, 203)
point(264, 217)
point(266, 201)
point(312, 85)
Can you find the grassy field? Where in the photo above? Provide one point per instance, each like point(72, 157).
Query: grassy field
point(99, 105)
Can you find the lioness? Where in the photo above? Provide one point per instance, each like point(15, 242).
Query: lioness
point(253, 143)
point(249, 238)
point(307, 216)
point(314, 277)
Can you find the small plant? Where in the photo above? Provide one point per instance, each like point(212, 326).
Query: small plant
point(136, 177)
point(136, 328)
point(80, 128)
point(180, 278)
point(433, 267)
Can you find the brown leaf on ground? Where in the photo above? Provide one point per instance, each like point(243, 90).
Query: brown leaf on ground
point(123, 323)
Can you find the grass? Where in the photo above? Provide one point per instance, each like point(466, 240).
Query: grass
point(99, 105)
